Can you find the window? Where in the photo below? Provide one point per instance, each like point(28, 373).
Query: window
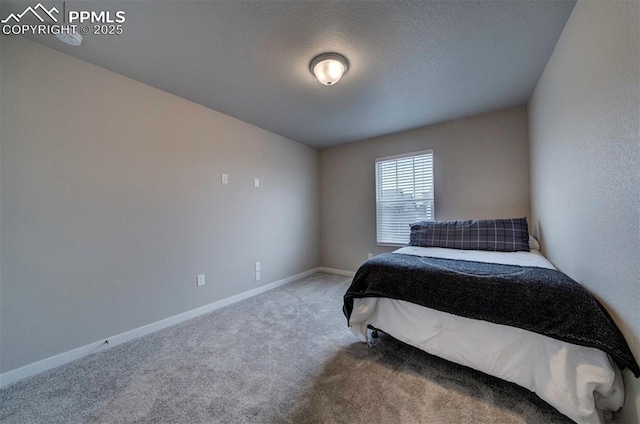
point(404, 194)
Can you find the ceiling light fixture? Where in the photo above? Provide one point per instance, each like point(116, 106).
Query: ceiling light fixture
point(71, 38)
point(329, 67)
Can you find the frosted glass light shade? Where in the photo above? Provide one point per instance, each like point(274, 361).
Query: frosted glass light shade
point(329, 68)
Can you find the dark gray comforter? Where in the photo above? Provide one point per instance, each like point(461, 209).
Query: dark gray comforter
point(541, 300)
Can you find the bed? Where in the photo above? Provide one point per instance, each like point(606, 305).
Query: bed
point(578, 376)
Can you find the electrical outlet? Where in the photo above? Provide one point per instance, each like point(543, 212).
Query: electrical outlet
point(257, 266)
point(257, 275)
point(370, 255)
point(256, 182)
point(225, 179)
point(200, 281)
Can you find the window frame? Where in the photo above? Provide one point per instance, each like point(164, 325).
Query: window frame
point(378, 202)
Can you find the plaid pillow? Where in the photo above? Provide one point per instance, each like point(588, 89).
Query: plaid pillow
point(504, 235)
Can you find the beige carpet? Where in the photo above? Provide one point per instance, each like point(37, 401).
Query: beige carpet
point(285, 356)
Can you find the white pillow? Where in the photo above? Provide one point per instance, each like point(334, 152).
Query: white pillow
point(533, 243)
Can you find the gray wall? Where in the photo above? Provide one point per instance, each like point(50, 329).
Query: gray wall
point(1, 40)
point(585, 156)
point(481, 170)
point(112, 204)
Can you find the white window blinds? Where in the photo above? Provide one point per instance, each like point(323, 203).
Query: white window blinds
point(404, 194)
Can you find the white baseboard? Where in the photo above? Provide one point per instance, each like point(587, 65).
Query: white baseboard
point(66, 357)
point(336, 271)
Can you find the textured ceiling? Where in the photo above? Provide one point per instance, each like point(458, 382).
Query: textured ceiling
point(412, 63)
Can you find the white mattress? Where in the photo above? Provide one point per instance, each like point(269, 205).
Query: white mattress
point(578, 381)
